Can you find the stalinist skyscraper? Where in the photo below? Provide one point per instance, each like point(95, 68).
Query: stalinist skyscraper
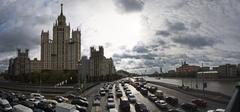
point(61, 52)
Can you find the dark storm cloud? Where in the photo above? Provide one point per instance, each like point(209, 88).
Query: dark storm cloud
point(129, 5)
point(162, 33)
point(17, 38)
point(20, 28)
point(195, 41)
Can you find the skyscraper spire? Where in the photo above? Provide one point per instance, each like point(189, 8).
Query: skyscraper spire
point(61, 9)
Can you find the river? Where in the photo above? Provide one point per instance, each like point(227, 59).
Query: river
point(222, 86)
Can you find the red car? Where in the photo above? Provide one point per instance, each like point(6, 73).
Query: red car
point(200, 102)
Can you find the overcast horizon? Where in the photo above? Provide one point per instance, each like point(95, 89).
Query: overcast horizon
point(139, 35)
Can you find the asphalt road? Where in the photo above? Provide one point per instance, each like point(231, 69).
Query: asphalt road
point(183, 98)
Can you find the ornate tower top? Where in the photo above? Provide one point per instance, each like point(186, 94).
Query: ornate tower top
point(61, 17)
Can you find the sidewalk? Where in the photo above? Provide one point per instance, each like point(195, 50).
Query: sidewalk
point(209, 95)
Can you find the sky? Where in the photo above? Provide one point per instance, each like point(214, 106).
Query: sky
point(140, 35)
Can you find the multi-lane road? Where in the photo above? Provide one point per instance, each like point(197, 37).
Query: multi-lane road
point(183, 98)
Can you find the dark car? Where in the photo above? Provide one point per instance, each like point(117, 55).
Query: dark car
point(152, 97)
point(171, 100)
point(153, 89)
point(138, 87)
point(144, 91)
point(119, 93)
point(124, 104)
point(79, 102)
point(199, 103)
point(81, 98)
point(189, 107)
point(140, 107)
point(71, 96)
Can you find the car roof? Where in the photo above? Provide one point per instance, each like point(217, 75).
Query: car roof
point(4, 101)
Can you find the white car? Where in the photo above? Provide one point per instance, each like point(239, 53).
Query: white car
point(113, 110)
point(37, 96)
point(4, 105)
point(217, 110)
point(161, 104)
point(21, 108)
point(110, 103)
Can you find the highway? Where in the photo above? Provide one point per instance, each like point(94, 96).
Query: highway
point(183, 98)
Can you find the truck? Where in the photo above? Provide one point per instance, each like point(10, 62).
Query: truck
point(65, 107)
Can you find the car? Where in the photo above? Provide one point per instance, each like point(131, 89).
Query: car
point(110, 103)
point(59, 99)
point(171, 100)
point(128, 92)
point(119, 93)
point(102, 92)
point(110, 95)
point(112, 110)
point(65, 107)
point(161, 104)
point(176, 110)
point(81, 98)
point(124, 105)
point(217, 110)
point(28, 104)
point(144, 91)
point(21, 108)
point(4, 105)
point(199, 103)
point(153, 89)
point(159, 94)
point(96, 102)
point(81, 108)
point(189, 107)
point(79, 102)
point(138, 88)
point(152, 97)
point(97, 97)
point(37, 96)
point(131, 98)
point(140, 107)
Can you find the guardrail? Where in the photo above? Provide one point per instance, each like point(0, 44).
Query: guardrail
point(234, 104)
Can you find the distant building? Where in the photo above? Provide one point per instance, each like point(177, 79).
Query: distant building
point(100, 66)
point(21, 64)
point(227, 70)
point(208, 74)
point(171, 71)
point(84, 69)
point(185, 68)
point(36, 65)
point(238, 70)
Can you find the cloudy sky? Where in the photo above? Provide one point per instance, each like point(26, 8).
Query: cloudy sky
point(140, 35)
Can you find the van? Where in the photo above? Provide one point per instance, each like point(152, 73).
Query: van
point(21, 108)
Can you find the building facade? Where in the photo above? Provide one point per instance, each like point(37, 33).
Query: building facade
point(97, 67)
point(186, 68)
point(227, 70)
point(61, 52)
point(21, 64)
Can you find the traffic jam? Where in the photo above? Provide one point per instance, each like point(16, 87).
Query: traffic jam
point(131, 95)
point(125, 95)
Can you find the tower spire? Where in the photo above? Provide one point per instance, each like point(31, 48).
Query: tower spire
point(61, 9)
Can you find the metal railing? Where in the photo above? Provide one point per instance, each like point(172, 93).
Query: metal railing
point(234, 103)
